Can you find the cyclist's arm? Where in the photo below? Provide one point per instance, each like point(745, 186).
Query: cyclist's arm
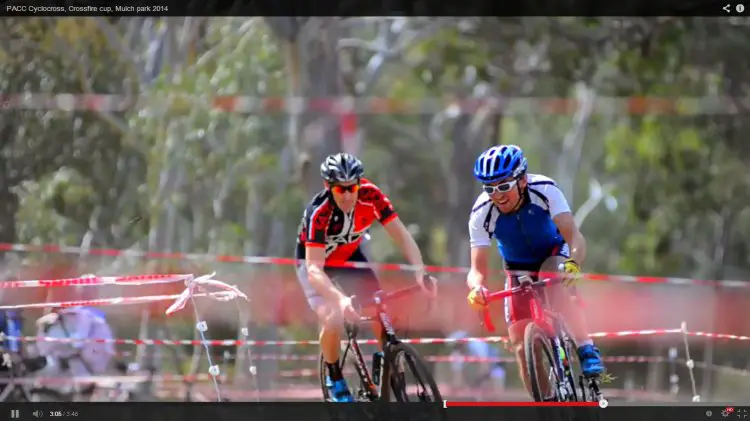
point(572, 235)
point(480, 242)
point(315, 257)
point(405, 241)
point(563, 217)
point(479, 267)
point(397, 231)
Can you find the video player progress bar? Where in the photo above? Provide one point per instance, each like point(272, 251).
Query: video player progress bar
point(456, 404)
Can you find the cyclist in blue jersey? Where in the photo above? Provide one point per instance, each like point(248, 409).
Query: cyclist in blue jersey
point(533, 225)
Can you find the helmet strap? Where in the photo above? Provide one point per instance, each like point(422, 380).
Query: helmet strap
point(521, 200)
point(521, 197)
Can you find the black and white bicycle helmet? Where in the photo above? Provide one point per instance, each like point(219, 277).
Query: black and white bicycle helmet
point(341, 168)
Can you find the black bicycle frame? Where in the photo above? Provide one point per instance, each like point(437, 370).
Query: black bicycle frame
point(389, 337)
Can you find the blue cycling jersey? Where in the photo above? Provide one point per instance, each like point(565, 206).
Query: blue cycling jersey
point(527, 236)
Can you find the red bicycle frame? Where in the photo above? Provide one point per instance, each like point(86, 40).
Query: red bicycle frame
point(539, 315)
point(378, 301)
point(551, 323)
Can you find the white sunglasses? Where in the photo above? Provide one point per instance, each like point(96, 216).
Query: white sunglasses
point(500, 188)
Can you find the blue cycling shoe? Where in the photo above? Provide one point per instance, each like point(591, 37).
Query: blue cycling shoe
point(591, 361)
point(338, 390)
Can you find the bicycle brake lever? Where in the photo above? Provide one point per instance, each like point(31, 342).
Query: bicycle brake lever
point(488, 320)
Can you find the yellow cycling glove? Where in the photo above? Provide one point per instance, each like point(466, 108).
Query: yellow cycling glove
point(572, 271)
point(476, 298)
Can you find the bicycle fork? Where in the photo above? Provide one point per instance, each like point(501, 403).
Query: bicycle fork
point(372, 385)
point(370, 390)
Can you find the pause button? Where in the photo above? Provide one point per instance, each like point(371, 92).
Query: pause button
point(15, 413)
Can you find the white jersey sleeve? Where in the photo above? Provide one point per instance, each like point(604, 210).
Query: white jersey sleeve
point(480, 222)
point(556, 202)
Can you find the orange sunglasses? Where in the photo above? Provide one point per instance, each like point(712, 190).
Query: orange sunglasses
point(343, 189)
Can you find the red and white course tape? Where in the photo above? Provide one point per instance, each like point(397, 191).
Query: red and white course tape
point(462, 358)
point(52, 248)
point(193, 283)
point(93, 280)
point(115, 301)
point(636, 105)
point(312, 372)
point(421, 341)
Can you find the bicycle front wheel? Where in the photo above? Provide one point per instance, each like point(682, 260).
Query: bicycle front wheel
point(538, 350)
point(405, 364)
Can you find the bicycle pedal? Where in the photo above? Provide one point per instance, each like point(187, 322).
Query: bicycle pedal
point(363, 396)
point(600, 378)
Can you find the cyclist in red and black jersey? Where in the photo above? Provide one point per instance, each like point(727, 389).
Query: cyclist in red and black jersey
point(333, 229)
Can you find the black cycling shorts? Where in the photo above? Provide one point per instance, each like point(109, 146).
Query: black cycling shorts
point(361, 282)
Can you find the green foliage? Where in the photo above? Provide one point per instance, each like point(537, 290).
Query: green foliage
point(218, 152)
point(675, 173)
point(68, 158)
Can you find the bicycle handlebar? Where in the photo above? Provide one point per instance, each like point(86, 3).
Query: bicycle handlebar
point(389, 296)
point(500, 295)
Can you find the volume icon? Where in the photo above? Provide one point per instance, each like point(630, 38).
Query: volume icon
point(38, 413)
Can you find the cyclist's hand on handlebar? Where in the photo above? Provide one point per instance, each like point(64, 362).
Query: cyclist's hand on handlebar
point(476, 298)
point(572, 272)
point(347, 310)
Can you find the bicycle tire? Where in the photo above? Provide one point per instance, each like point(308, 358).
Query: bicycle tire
point(532, 335)
point(322, 373)
point(418, 363)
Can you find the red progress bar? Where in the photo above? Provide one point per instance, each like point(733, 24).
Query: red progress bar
point(455, 404)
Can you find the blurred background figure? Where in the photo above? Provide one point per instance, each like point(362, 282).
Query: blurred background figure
point(11, 325)
point(486, 377)
point(80, 358)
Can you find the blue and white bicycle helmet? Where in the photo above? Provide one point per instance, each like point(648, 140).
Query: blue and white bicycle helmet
point(499, 162)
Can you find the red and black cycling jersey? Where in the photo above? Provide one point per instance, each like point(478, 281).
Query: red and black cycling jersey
point(325, 225)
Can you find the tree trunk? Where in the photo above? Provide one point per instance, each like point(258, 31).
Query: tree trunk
point(469, 135)
point(320, 78)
